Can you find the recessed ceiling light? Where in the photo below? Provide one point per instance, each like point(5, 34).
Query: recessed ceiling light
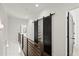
point(36, 5)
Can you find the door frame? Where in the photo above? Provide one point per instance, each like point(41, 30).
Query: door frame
point(68, 34)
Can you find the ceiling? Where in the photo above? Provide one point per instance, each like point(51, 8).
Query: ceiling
point(24, 11)
point(28, 10)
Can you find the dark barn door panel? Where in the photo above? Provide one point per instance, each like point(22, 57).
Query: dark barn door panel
point(36, 31)
point(47, 35)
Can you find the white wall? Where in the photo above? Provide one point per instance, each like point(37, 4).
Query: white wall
point(14, 25)
point(3, 32)
point(30, 30)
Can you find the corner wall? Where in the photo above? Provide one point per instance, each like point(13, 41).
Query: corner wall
point(3, 32)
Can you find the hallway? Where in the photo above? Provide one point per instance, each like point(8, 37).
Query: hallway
point(35, 29)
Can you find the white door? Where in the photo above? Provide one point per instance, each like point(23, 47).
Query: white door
point(71, 33)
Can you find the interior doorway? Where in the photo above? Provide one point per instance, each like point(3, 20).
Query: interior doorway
point(73, 33)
